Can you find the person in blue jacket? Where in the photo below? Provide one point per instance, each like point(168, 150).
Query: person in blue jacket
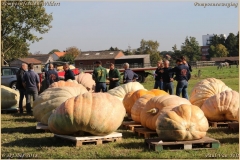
point(51, 75)
point(128, 75)
point(182, 73)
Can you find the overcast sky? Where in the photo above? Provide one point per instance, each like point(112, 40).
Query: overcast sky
point(94, 26)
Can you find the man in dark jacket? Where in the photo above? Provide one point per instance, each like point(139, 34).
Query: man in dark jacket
point(167, 77)
point(51, 75)
point(182, 76)
point(20, 87)
point(129, 75)
point(114, 76)
point(68, 73)
point(32, 84)
point(158, 76)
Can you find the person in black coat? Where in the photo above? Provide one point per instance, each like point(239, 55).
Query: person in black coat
point(20, 87)
point(68, 73)
point(182, 76)
point(167, 77)
point(51, 75)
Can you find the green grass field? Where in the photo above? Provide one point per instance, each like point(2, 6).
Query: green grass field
point(19, 136)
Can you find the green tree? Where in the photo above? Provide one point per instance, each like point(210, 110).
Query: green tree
point(176, 54)
point(18, 24)
point(217, 39)
point(71, 54)
point(154, 58)
point(231, 45)
point(218, 51)
point(54, 50)
point(191, 49)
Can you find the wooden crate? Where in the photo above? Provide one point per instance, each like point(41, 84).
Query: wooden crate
point(234, 126)
point(131, 125)
point(219, 124)
point(147, 133)
point(114, 137)
point(42, 126)
point(204, 143)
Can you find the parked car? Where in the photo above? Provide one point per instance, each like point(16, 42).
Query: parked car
point(8, 76)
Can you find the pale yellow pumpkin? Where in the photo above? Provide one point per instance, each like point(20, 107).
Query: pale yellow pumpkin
point(223, 106)
point(9, 97)
point(52, 98)
point(86, 80)
point(202, 92)
point(95, 113)
point(185, 122)
point(122, 90)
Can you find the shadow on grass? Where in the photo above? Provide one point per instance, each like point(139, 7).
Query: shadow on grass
point(229, 140)
point(24, 130)
point(39, 142)
point(25, 119)
point(220, 129)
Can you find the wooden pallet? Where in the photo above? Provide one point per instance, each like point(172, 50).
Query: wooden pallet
point(131, 125)
point(114, 137)
point(147, 133)
point(219, 124)
point(234, 126)
point(204, 143)
point(42, 126)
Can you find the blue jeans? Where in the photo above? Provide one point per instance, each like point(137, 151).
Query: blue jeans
point(22, 93)
point(30, 92)
point(158, 84)
point(168, 87)
point(101, 85)
point(182, 88)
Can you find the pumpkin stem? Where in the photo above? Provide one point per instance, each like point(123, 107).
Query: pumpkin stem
point(153, 110)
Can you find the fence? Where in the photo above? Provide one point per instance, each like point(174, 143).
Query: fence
point(202, 63)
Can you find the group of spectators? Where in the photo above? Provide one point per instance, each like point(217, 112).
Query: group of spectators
point(165, 75)
point(28, 82)
point(100, 75)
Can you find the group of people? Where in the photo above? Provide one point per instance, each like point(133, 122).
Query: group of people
point(28, 82)
point(100, 76)
point(165, 75)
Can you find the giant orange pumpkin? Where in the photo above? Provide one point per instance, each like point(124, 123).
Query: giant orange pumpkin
point(52, 98)
point(95, 113)
point(157, 105)
point(222, 106)
point(130, 99)
point(185, 122)
point(139, 105)
point(202, 92)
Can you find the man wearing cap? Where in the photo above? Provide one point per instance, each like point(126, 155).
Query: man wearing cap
point(114, 76)
point(99, 76)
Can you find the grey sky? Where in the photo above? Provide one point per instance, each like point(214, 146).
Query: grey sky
point(100, 25)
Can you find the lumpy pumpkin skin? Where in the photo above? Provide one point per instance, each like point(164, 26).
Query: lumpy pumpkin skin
point(202, 92)
point(138, 106)
point(222, 107)
point(95, 113)
point(157, 105)
point(86, 80)
point(64, 84)
point(185, 122)
point(52, 98)
point(131, 97)
point(122, 90)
